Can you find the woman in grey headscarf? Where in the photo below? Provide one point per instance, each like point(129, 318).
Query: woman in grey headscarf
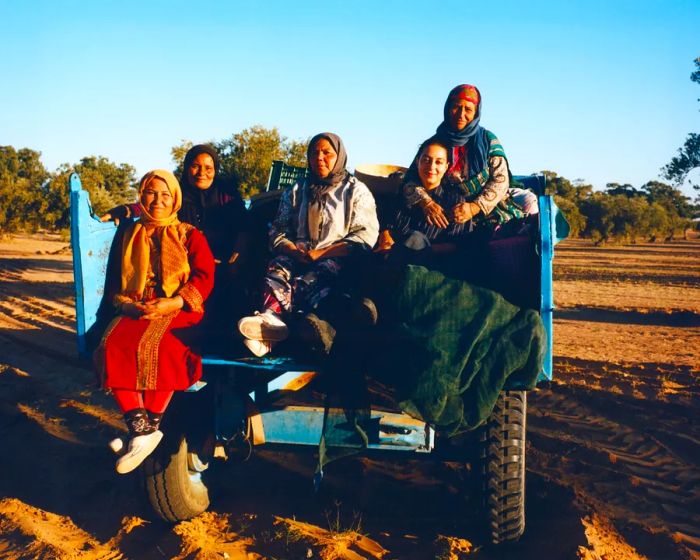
point(320, 223)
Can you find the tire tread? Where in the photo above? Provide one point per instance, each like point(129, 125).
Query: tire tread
point(503, 467)
point(171, 492)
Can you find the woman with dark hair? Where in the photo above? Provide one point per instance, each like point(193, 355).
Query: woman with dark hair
point(476, 200)
point(211, 202)
point(322, 223)
point(419, 241)
point(165, 273)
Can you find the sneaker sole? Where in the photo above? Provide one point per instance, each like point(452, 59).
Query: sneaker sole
point(255, 352)
point(131, 460)
point(255, 330)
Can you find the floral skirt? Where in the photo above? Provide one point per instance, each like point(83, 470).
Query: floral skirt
point(302, 286)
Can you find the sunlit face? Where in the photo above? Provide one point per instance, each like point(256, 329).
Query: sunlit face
point(432, 165)
point(322, 158)
point(201, 171)
point(156, 199)
point(461, 113)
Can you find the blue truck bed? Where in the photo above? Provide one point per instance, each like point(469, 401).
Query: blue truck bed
point(264, 414)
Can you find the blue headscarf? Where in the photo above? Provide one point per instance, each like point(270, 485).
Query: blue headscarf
point(473, 135)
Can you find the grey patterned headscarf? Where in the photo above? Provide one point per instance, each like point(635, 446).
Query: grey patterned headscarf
point(319, 186)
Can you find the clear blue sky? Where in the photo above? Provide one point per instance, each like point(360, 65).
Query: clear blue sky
point(597, 90)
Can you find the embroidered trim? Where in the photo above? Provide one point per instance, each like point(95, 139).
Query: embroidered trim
point(192, 298)
point(147, 353)
point(98, 356)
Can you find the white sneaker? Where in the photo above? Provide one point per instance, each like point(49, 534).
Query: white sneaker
point(263, 326)
point(140, 447)
point(258, 347)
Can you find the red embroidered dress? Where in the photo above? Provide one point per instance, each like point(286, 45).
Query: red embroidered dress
point(157, 354)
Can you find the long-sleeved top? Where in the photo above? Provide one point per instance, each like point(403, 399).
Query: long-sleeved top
point(410, 219)
point(348, 214)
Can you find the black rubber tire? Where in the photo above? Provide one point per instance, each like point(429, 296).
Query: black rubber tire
point(503, 467)
point(173, 480)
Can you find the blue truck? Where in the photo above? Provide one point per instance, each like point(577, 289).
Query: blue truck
point(243, 402)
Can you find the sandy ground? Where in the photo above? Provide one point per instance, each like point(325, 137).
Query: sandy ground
point(613, 451)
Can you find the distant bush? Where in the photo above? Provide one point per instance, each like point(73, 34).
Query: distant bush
point(622, 213)
point(32, 198)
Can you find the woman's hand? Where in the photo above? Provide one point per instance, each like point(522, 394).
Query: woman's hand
point(116, 214)
point(434, 214)
point(232, 267)
point(464, 211)
point(297, 253)
point(336, 250)
point(384, 243)
point(135, 310)
point(162, 307)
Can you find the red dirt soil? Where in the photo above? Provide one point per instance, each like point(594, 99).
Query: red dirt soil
point(613, 444)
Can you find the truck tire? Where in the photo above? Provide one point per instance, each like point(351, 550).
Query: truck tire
point(173, 481)
point(503, 467)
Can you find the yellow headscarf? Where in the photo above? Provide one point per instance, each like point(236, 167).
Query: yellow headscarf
point(173, 268)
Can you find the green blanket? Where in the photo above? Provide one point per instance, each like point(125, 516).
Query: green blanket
point(445, 346)
point(452, 346)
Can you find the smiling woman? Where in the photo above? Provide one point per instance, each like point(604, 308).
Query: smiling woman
point(156, 199)
point(478, 166)
point(201, 171)
point(432, 164)
point(211, 203)
point(166, 272)
point(418, 240)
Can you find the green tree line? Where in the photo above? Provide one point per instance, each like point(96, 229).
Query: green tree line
point(32, 198)
point(623, 213)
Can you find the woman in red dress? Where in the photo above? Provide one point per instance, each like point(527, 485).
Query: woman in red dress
point(166, 274)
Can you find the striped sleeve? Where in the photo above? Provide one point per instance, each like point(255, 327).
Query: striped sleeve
point(496, 188)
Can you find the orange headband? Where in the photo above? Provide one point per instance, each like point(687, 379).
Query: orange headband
point(466, 92)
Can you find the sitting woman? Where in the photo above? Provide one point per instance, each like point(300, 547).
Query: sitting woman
point(478, 166)
point(449, 346)
point(418, 241)
point(321, 224)
point(166, 274)
point(211, 202)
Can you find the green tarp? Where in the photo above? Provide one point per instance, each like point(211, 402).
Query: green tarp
point(451, 346)
point(446, 347)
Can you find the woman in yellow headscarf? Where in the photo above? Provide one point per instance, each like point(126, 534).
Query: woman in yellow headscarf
point(166, 274)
